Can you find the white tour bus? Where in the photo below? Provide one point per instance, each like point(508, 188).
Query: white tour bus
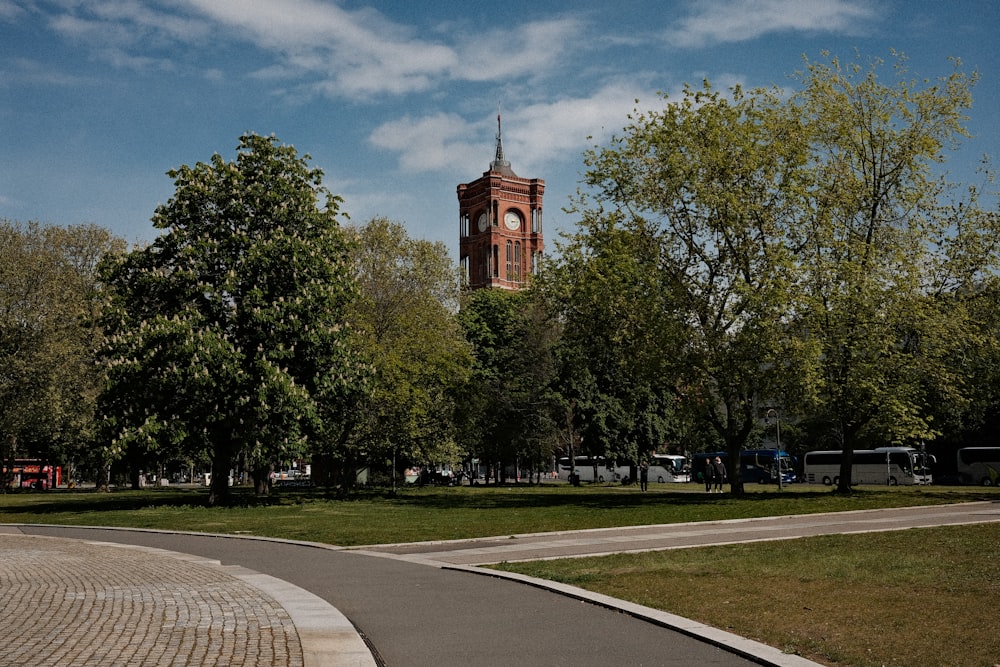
point(588, 468)
point(883, 465)
point(667, 468)
point(979, 465)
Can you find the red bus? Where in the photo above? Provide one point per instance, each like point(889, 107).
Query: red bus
point(33, 474)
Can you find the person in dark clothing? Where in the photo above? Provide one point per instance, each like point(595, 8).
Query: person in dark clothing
point(709, 474)
point(720, 473)
point(644, 475)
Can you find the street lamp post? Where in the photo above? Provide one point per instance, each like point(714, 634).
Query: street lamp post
point(777, 437)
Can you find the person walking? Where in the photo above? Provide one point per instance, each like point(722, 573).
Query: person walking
point(709, 474)
point(719, 476)
point(644, 475)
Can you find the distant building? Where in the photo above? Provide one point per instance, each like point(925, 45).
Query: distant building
point(500, 226)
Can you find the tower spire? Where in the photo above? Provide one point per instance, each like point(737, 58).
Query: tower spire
point(499, 162)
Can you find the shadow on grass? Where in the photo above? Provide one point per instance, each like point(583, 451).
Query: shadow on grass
point(92, 501)
point(446, 498)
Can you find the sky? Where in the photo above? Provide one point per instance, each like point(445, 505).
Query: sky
point(396, 101)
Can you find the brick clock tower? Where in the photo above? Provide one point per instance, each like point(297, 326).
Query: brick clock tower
point(500, 226)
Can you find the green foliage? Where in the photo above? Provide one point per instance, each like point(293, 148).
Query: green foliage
point(48, 299)
point(408, 289)
point(228, 334)
point(750, 250)
point(509, 411)
point(680, 269)
point(893, 257)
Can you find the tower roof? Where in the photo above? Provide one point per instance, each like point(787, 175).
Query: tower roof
point(500, 163)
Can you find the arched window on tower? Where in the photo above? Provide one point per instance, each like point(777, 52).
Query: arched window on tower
point(517, 262)
point(496, 262)
point(508, 269)
point(536, 221)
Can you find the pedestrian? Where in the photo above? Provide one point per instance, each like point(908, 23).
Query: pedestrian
point(644, 475)
point(720, 473)
point(708, 474)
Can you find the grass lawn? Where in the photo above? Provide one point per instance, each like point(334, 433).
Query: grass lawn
point(917, 597)
point(416, 514)
point(925, 597)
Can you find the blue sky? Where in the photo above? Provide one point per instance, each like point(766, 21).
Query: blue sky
point(396, 101)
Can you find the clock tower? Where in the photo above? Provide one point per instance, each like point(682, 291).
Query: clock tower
point(500, 226)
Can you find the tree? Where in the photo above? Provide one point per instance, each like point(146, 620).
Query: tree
point(604, 289)
point(687, 221)
point(48, 300)
point(506, 412)
point(405, 313)
point(795, 253)
point(892, 255)
point(228, 335)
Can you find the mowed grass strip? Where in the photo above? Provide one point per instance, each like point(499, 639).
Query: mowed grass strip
point(925, 596)
point(418, 514)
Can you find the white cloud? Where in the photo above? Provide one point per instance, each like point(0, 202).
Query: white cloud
point(534, 136)
point(9, 10)
point(722, 21)
point(504, 52)
point(123, 32)
point(313, 45)
point(428, 143)
point(25, 70)
point(354, 53)
point(361, 53)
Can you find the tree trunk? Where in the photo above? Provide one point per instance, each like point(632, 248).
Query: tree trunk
point(7, 462)
point(846, 469)
point(103, 477)
point(262, 479)
point(218, 491)
point(734, 468)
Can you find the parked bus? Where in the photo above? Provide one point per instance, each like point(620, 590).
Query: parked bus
point(588, 469)
point(663, 469)
point(884, 465)
point(33, 474)
point(756, 466)
point(979, 465)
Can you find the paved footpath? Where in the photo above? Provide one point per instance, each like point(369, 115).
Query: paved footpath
point(596, 542)
point(76, 602)
point(410, 614)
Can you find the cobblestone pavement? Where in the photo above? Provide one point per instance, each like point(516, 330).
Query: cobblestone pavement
point(69, 602)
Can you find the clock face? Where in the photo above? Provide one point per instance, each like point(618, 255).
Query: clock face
point(484, 222)
point(512, 220)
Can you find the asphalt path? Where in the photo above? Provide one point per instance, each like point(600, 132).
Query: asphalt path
point(413, 615)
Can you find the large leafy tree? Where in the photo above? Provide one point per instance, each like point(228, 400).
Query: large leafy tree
point(894, 256)
point(801, 253)
point(228, 335)
point(605, 290)
point(506, 412)
point(408, 294)
point(683, 237)
point(48, 301)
